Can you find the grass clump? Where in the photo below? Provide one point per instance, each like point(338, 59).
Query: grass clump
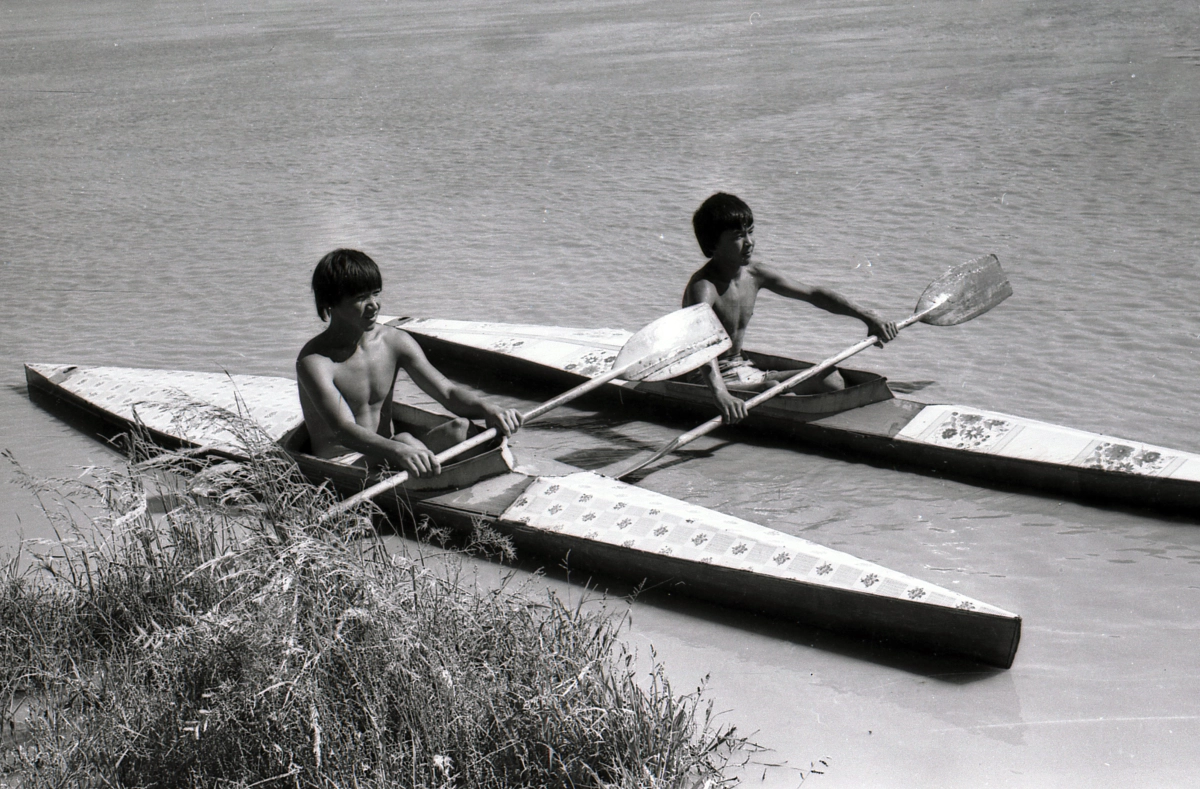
point(192, 626)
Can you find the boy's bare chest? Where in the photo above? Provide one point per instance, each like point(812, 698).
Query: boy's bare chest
point(365, 378)
point(735, 305)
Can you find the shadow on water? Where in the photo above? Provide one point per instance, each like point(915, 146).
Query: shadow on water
point(908, 387)
point(601, 426)
point(941, 668)
point(102, 430)
point(945, 669)
point(600, 459)
point(626, 447)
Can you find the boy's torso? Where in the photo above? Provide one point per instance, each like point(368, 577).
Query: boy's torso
point(734, 302)
point(365, 376)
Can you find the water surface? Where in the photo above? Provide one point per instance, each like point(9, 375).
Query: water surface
point(172, 171)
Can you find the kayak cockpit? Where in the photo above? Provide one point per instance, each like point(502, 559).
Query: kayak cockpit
point(862, 388)
point(350, 474)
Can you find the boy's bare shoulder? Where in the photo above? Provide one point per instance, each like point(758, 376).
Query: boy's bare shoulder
point(699, 287)
point(397, 338)
point(401, 347)
point(764, 273)
point(323, 350)
point(314, 349)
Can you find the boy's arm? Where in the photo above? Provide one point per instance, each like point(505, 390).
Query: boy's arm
point(828, 300)
point(733, 410)
point(455, 398)
point(314, 374)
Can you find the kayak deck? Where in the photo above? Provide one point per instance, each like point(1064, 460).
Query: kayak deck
point(618, 529)
point(865, 419)
point(561, 513)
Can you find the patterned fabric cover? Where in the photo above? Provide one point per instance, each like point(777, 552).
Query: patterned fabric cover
point(1010, 436)
point(592, 507)
point(186, 404)
point(589, 352)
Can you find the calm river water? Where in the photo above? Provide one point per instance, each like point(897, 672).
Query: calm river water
point(172, 171)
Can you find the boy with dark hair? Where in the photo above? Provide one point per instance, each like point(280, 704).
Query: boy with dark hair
point(730, 281)
point(342, 273)
point(347, 375)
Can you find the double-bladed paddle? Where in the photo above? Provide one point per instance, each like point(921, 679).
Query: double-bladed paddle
point(965, 291)
point(674, 344)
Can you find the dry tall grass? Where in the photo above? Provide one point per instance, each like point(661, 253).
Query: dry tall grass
point(229, 641)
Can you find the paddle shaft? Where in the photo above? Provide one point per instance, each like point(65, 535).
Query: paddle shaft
point(478, 440)
point(800, 377)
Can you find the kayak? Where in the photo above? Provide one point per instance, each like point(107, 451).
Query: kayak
point(560, 513)
point(866, 419)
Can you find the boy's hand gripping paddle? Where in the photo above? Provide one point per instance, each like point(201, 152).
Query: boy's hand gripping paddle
point(674, 344)
point(965, 291)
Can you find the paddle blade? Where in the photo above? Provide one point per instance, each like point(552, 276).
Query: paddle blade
point(965, 291)
point(676, 343)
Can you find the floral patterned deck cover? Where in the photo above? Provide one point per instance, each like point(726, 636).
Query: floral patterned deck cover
point(189, 405)
point(584, 504)
point(591, 352)
point(592, 507)
point(1010, 436)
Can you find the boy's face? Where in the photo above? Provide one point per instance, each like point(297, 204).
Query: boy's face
point(359, 310)
point(735, 246)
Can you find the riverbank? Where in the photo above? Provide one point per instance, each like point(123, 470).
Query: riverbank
point(198, 624)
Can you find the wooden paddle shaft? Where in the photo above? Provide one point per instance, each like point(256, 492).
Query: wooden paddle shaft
point(811, 372)
point(478, 440)
point(578, 391)
point(767, 394)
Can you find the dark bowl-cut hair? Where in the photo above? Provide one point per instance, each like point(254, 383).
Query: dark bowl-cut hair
point(342, 273)
point(717, 214)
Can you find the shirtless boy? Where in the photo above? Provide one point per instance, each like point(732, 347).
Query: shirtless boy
point(730, 281)
point(347, 375)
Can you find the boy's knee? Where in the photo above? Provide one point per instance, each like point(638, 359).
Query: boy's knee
point(834, 381)
point(447, 434)
point(458, 428)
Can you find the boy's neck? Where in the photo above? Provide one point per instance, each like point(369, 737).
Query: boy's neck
point(344, 333)
point(723, 269)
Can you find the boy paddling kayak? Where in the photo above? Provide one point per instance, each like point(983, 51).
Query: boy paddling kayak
point(347, 375)
point(730, 282)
